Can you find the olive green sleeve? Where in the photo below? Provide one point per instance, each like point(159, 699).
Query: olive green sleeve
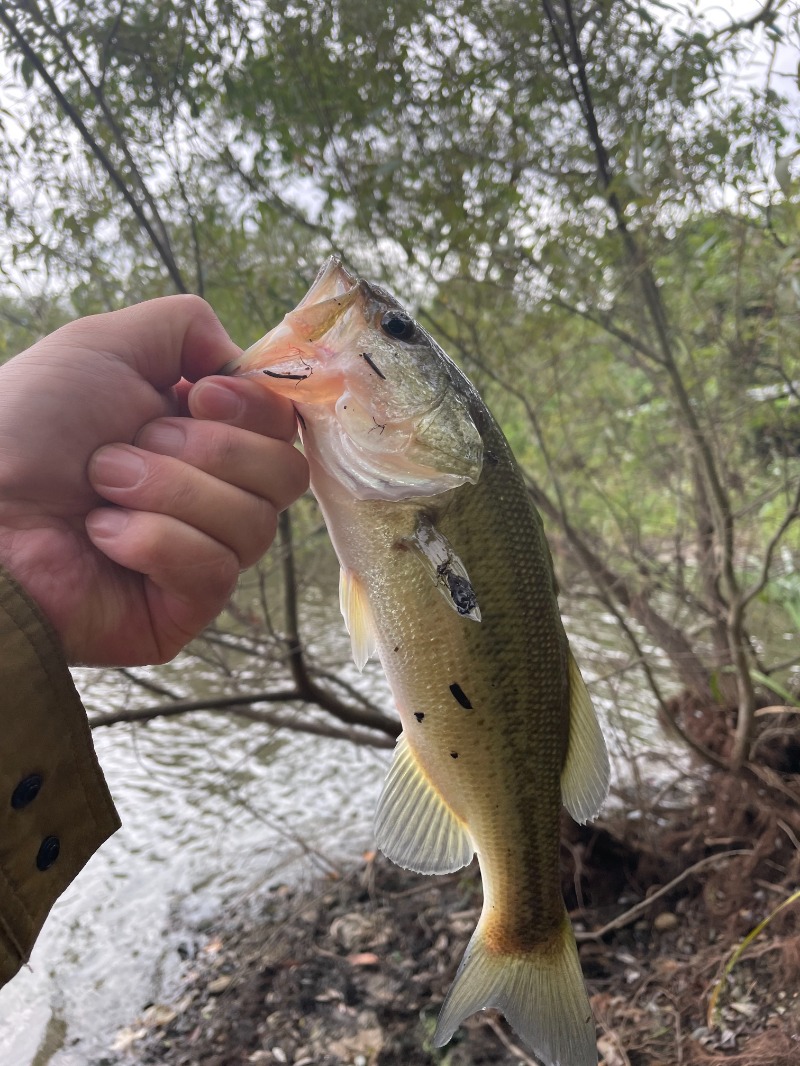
point(55, 808)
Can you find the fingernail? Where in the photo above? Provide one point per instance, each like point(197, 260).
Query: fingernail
point(118, 467)
point(107, 522)
point(163, 437)
point(219, 402)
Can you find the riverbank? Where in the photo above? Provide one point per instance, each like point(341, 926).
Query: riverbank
point(352, 968)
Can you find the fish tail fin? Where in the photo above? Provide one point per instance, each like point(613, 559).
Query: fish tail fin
point(540, 992)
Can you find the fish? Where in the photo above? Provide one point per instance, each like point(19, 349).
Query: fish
point(447, 576)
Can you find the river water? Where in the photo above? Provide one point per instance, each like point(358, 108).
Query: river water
point(213, 810)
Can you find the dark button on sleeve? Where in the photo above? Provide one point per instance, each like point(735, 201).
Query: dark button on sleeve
point(26, 791)
point(48, 853)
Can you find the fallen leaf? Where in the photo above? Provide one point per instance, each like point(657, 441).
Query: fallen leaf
point(363, 958)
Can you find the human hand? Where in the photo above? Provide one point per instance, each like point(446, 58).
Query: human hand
point(130, 498)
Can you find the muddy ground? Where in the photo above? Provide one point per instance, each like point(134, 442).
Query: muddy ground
point(353, 968)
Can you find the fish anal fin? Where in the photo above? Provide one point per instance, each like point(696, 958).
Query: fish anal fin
point(541, 993)
point(357, 617)
point(414, 827)
point(586, 773)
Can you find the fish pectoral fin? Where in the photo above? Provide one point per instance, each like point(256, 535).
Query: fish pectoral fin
point(586, 773)
point(414, 827)
point(357, 617)
point(540, 992)
point(445, 568)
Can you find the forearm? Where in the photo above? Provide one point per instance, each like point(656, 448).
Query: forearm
point(55, 808)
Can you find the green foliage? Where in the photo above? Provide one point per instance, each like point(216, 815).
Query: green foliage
point(784, 591)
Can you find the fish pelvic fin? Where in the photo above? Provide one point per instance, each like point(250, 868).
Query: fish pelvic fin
point(357, 617)
point(586, 773)
point(541, 993)
point(414, 827)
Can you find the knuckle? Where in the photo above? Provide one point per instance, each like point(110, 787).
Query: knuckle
point(193, 306)
point(221, 575)
point(211, 447)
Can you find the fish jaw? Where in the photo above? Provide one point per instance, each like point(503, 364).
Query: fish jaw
point(297, 358)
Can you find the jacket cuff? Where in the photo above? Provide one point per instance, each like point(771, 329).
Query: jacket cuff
point(55, 807)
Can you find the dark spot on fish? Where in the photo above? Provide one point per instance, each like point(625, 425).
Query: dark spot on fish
point(461, 696)
point(400, 546)
point(418, 714)
point(371, 362)
point(397, 647)
point(453, 754)
point(461, 593)
point(286, 377)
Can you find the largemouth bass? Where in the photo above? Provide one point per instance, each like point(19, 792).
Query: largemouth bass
point(447, 575)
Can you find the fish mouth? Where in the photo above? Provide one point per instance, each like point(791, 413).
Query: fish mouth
point(333, 279)
point(286, 350)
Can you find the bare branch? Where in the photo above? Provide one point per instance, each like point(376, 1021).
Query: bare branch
point(634, 912)
point(766, 15)
point(604, 322)
point(242, 707)
point(119, 136)
point(792, 515)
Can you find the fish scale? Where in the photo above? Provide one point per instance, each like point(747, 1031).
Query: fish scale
point(446, 573)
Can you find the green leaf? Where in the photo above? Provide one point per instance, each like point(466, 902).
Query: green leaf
point(27, 70)
point(774, 686)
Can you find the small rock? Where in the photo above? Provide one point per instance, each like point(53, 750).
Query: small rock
point(158, 1015)
point(219, 984)
point(352, 931)
point(367, 1043)
point(665, 921)
point(126, 1038)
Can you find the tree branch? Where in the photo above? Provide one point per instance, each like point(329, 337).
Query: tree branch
point(242, 707)
point(766, 15)
point(571, 55)
point(119, 137)
point(640, 908)
point(792, 515)
point(94, 147)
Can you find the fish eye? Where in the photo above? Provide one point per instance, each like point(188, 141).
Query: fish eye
point(399, 325)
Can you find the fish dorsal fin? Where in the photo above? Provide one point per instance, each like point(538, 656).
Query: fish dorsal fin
point(357, 617)
point(584, 779)
point(446, 570)
point(414, 827)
